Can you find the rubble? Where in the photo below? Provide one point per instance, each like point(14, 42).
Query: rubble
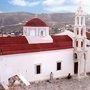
point(18, 82)
point(1, 87)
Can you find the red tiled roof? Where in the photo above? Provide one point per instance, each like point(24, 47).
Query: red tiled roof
point(61, 38)
point(13, 40)
point(60, 42)
point(36, 22)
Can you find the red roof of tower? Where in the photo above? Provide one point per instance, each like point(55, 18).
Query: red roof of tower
point(36, 22)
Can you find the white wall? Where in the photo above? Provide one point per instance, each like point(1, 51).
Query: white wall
point(33, 34)
point(88, 60)
point(25, 64)
point(27, 31)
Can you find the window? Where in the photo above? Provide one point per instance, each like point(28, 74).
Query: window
point(41, 33)
point(77, 31)
point(77, 20)
point(81, 32)
point(81, 44)
point(75, 56)
point(76, 43)
point(38, 69)
point(58, 65)
point(84, 56)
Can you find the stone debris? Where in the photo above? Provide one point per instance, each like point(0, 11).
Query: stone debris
point(18, 82)
point(23, 80)
point(1, 87)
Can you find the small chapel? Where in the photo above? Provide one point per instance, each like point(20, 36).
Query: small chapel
point(37, 53)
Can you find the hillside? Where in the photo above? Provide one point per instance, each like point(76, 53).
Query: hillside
point(58, 19)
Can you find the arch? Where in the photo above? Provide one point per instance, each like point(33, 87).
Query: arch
point(81, 43)
point(76, 43)
point(85, 56)
point(77, 31)
point(75, 55)
point(78, 20)
point(42, 33)
point(81, 31)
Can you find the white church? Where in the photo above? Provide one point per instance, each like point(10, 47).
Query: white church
point(36, 54)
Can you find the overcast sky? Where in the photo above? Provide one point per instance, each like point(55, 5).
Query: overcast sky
point(43, 6)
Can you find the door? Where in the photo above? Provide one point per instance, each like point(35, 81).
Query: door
point(75, 67)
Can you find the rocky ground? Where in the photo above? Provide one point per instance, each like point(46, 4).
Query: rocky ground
point(64, 84)
point(58, 84)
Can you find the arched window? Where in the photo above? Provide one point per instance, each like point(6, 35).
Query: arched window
point(78, 20)
point(84, 56)
point(42, 33)
point(75, 55)
point(77, 31)
point(76, 43)
point(81, 32)
point(81, 44)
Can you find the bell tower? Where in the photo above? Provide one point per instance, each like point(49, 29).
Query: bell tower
point(80, 41)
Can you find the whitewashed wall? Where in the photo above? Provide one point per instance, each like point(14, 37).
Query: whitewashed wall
point(25, 64)
point(88, 60)
point(27, 31)
point(33, 34)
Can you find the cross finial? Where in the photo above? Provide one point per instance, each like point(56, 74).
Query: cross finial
point(80, 4)
point(80, 7)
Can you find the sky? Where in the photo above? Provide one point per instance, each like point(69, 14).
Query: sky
point(43, 6)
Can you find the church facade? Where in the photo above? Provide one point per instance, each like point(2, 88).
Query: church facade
point(36, 54)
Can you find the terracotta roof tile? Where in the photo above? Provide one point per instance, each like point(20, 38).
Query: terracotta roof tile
point(36, 22)
point(60, 42)
point(13, 40)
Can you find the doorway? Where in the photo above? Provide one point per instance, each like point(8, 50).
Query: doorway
point(75, 67)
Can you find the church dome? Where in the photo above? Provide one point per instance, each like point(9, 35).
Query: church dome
point(36, 22)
